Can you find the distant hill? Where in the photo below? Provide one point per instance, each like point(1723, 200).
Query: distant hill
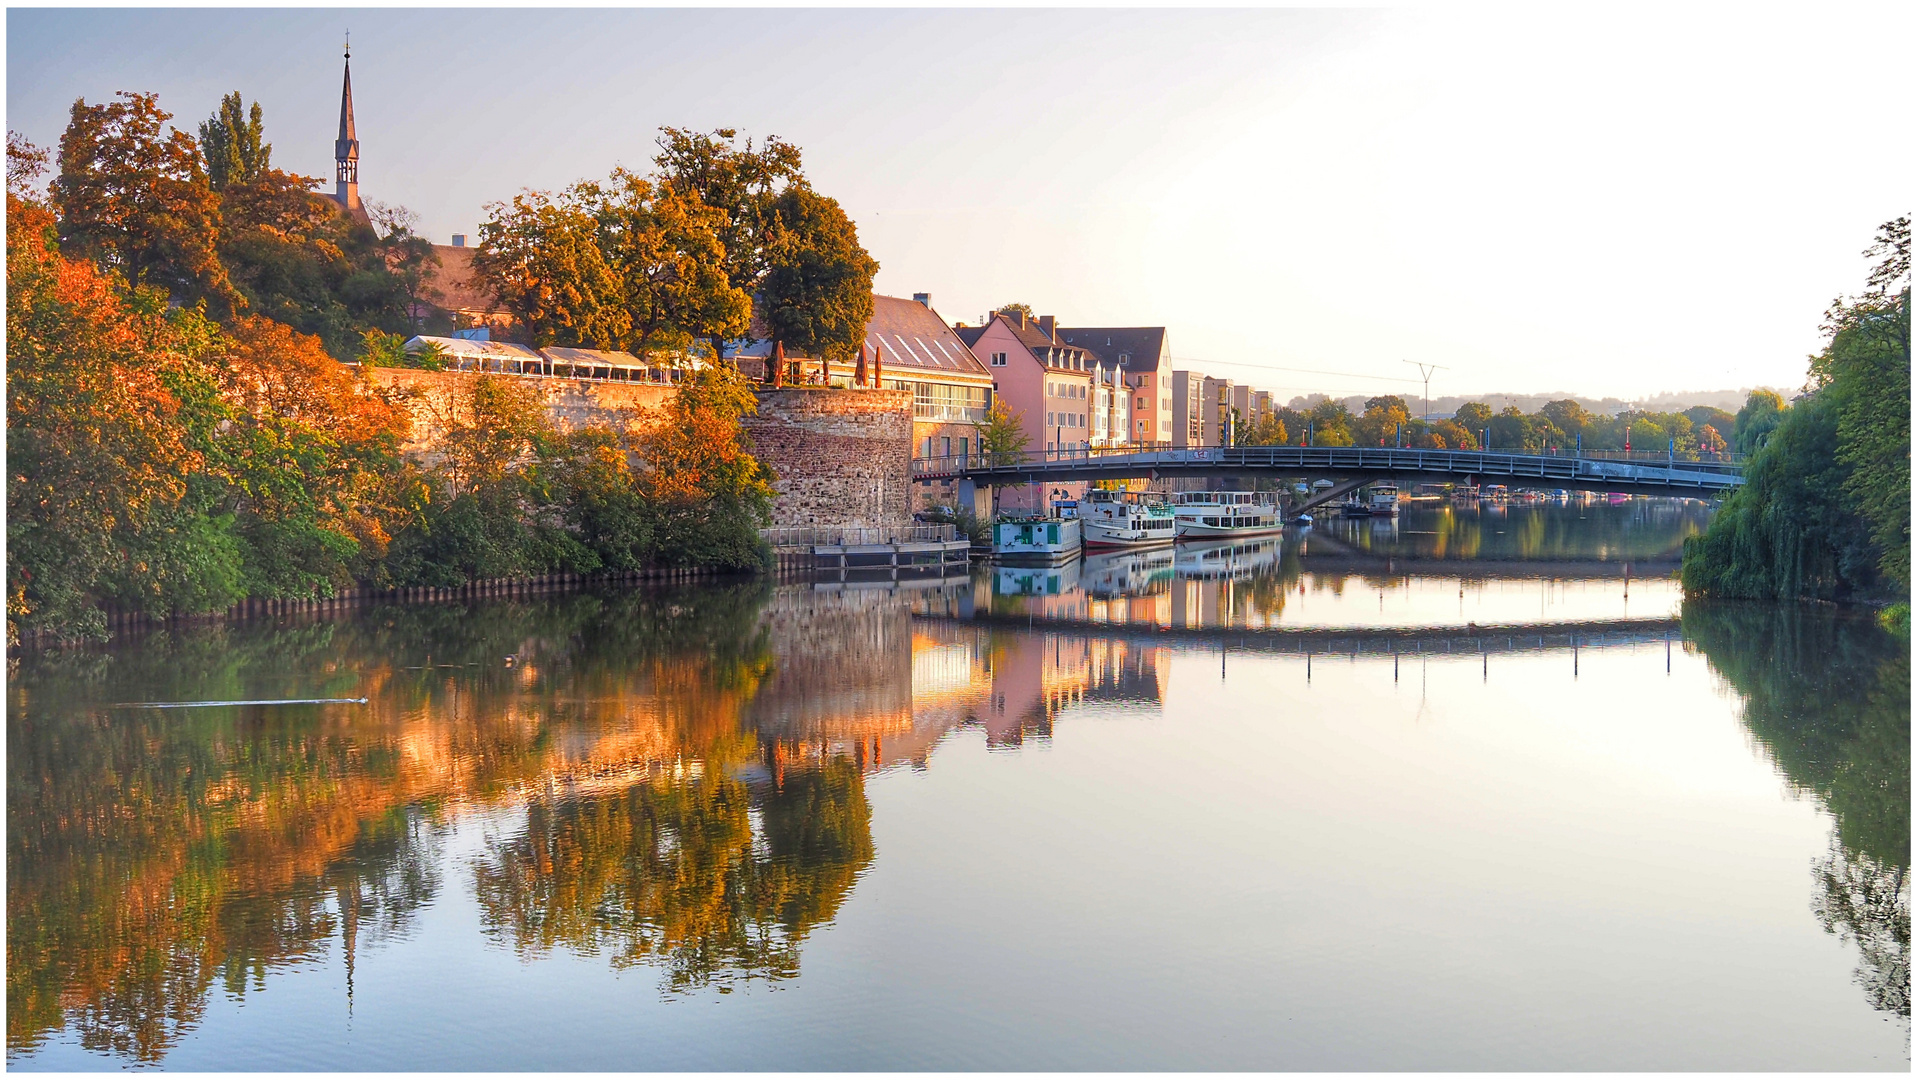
point(1447, 405)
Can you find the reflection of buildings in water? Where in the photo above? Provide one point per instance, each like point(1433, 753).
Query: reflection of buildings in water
point(1036, 676)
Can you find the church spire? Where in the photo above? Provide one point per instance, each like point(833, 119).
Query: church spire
point(346, 148)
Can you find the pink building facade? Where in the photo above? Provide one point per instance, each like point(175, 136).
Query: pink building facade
point(1047, 384)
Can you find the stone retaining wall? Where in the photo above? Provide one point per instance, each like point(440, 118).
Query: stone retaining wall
point(841, 457)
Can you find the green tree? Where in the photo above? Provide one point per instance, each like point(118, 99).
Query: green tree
point(1763, 411)
point(1566, 415)
point(1001, 435)
point(132, 197)
point(817, 293)
point(1016, 309)
point(233, 145)
point(740, 180)
point(1865, 367)
point(1474, 415)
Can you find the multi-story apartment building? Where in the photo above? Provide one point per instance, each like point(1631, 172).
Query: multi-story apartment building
point(1144, 356)
point(1188, 409)
point(1216, 396)
point(1046, 383)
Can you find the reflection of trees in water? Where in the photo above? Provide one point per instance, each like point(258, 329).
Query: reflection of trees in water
point(1828, 696)
point(1640, 529)
point(672, 872)
point(151, 855)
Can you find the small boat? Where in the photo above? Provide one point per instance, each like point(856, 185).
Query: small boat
point(1303, 519)
point(1045, 541)
point(1204, 515)
point(1127, 519)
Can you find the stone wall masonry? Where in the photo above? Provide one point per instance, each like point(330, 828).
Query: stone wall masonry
point(571, 403)
point(840, 457)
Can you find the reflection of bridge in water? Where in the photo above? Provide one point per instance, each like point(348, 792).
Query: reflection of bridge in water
point(1381, 642)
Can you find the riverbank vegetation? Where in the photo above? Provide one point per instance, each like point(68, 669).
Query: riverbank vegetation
point(182, 434)
point(1824, 513)
point(1703, 432)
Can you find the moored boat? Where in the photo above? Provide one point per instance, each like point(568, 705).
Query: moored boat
point(1226, 560)
point(1041, 540)
point(1384, 500)
point(1127, 519)
point(1222, 514)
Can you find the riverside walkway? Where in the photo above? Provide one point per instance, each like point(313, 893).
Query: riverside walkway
point(1349, 466)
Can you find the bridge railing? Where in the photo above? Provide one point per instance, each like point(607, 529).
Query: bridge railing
point(808, 537)
point(1317, 457)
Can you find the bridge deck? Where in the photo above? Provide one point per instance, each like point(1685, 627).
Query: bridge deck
point(1654, 474)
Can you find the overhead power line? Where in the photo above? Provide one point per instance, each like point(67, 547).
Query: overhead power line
point(1302, 371)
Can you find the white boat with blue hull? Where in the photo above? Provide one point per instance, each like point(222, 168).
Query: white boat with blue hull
point(1221, 515)
point(1127, 519)
point(1039, 540)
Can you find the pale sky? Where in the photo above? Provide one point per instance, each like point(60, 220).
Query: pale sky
point(1603, 201)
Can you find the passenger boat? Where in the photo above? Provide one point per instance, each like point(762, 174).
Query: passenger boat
point(1204, 515)
point(1112, 575)
point(1226, 560)
point(1127, 519)
point(1384, 500)
point(1045, 541)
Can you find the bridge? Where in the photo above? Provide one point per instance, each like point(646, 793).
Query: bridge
point(1351, 466)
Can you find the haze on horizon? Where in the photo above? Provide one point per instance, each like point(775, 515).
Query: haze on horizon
point(1594, 202)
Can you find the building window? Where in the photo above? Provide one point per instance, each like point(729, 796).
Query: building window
point(1051, 420)
point(1124, 358)
point(965, 448)
point(948, 446)
point(998, 359)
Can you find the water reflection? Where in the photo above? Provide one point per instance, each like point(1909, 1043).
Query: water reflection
point(677, 782)
point(1828, 698)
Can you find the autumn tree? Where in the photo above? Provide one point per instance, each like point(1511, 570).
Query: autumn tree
point(25, 164)
point(233, 145)
point(711, 494)
point(98, 440)
point(541, 257)
point(132, 196)
point(817, 293)
point(741, 180)
point(664, 249)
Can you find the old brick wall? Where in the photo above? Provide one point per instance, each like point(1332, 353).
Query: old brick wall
point(572, 403)
point(841, 457)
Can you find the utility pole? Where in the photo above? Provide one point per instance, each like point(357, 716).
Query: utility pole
point(1426, 370)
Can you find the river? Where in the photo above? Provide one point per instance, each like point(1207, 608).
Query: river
point(1474, 788)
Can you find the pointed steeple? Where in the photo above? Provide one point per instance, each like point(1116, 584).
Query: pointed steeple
point(346, 148)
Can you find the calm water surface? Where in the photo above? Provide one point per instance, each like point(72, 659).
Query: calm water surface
point(1471, 789)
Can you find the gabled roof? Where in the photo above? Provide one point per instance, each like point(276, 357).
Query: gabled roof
point(451, 284)
point(913, 336)
point(1142, 345)
point(1030, 335)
